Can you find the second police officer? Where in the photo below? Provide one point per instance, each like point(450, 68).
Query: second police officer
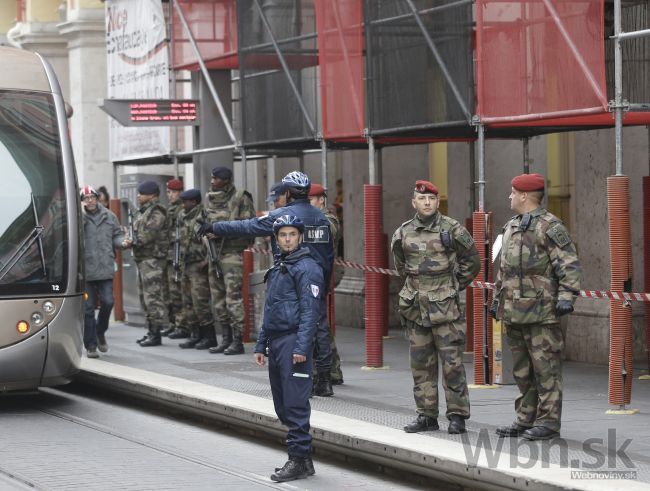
point(437, 258)
point(317, 237)
point(295, 289)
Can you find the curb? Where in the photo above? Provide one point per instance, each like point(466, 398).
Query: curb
point(435, 458)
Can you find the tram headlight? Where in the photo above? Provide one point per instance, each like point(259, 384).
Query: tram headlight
point(48, 307)
point(37, 318)
point(22, 327)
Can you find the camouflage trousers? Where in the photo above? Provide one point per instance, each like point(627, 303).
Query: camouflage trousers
point(195, 288)
point(150, 287)
point(226, 286)
point(537, 369)
point(427, 344)
point(174, 296)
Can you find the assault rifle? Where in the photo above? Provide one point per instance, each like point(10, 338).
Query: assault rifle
point(129, 215)
point(176, 263)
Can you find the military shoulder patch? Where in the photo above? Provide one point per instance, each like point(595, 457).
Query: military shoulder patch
point(465, 239)
point(558, 234)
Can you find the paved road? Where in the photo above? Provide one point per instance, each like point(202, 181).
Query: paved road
point(64, 440)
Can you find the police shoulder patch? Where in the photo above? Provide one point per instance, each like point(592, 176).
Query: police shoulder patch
point(559, 235)
point(315, 290)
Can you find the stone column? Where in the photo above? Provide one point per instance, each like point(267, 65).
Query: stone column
point(85, 33)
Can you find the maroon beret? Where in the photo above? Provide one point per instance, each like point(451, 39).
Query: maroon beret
point(528, 182)
point(175, 185)
point(317, 190)
point(425, 187)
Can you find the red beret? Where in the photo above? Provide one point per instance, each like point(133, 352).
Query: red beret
point(175, 185)
point(528, 182)
point(425, 187)
point(317, 190)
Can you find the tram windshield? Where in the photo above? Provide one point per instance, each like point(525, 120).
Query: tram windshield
point(33, 222)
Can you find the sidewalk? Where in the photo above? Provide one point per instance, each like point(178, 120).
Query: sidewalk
point(367, 413)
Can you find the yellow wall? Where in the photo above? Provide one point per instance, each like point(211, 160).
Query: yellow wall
point(42, 10)
point(438, 172)
point(85, 4)
point(7, 15)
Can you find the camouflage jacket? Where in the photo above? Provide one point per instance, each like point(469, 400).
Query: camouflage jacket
point(150, 234)
point(173, 211)
point(437, 258)
point(335, 230)
point(192, 248)
point(230, 204)
point(538, 267)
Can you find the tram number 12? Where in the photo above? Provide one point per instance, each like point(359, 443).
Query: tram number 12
point(55, 288)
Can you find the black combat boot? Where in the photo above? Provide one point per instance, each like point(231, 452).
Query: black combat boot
point(166, 332)
point(456, 425)
point(209, 338)
point(422, 423)
point(324, 386)
point(295, 468)
point(236, 347)
point(226, 339)
point(309, 465)
point(511, 431)
point(195, 337)
point(179, 333)
point(153, 339)
point(540, 433)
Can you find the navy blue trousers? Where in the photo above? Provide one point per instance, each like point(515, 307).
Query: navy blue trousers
point(102, 290)
point(323, 347)
point(291, 387)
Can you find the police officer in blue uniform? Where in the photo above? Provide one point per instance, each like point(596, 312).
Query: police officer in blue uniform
point(294, 291)
point(316, 237)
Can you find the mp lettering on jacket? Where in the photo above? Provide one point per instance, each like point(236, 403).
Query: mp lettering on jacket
point(317, 235)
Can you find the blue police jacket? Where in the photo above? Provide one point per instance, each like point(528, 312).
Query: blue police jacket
point(317, 234)
point(294, 290)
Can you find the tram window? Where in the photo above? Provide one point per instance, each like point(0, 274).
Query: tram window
point(33, 225)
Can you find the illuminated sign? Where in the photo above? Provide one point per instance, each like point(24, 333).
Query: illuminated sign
point(153, 112)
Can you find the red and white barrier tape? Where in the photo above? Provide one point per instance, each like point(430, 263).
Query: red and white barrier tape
point(632, 297)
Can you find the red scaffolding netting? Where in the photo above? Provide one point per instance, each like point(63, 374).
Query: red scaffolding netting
point(340, 45)
point(214, 27)
point(540, 60)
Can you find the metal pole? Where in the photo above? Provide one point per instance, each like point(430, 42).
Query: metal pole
point(618, 88)
point(439, 60)
point(526, 156)
point(323, 163)
point(285, 68)
point(244, 167)
point(372, 174)
point(472, 175)
point(172, 91)
point(481, 168)
point(378, 165)
point(206, 75)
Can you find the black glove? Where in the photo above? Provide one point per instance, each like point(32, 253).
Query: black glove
point(564, 307)
point(204, 229)
point(493, 309)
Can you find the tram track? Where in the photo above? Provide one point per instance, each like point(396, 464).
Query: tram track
point(163, 449)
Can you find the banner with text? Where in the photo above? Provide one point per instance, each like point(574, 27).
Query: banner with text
point(137, 68)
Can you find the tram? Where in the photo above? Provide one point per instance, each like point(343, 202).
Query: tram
point(41, 271)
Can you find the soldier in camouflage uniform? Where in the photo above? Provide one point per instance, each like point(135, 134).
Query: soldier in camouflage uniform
point(225, 203)
point(195, 285)
point(174, 298)
point(537, 281)
point(438, 259)
point(317, 197)
point(150, 254)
